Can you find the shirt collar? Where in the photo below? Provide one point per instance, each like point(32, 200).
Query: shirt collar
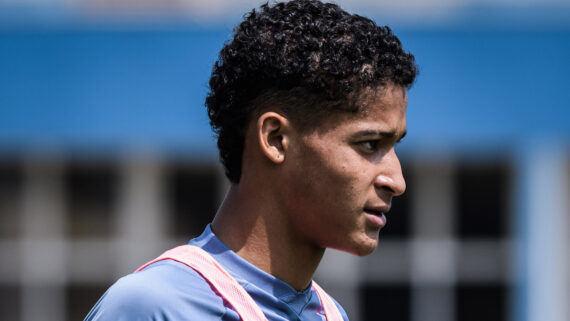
point(244, 272)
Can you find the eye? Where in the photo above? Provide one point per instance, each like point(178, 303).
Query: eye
point(369, 145)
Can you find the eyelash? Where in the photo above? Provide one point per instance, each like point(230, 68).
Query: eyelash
point(370, 145)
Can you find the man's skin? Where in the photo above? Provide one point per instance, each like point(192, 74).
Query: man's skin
point(302, 192)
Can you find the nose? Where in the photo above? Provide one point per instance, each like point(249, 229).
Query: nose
point(391, 177)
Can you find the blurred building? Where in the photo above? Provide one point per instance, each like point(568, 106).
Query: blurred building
point(107, 159)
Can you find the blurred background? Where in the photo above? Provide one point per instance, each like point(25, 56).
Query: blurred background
point(107, 159)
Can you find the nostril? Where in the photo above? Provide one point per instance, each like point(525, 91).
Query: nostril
point(381, 181)
point(385, 183)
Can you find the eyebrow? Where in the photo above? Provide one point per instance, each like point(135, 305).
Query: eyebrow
point(390, 135)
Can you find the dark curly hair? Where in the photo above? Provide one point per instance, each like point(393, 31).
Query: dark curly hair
point(307, 57)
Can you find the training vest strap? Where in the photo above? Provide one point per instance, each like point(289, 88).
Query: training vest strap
point(331, 310)
point(228, 288)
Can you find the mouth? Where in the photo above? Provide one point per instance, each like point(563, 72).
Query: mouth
point(376, 216)
point(377, 210)
point(373, 211)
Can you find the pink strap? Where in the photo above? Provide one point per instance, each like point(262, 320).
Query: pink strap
point(331, 310)
point(222, 281)
point(228, 288)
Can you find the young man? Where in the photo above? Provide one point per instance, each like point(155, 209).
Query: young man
point(307, 102)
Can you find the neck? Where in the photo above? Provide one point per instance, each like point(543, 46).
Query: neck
point(256, 229)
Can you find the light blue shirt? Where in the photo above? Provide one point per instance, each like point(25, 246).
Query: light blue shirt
point(168, 291)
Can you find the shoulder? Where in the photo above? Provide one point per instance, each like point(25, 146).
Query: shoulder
point(165, 290)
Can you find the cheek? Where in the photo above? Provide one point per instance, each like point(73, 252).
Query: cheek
point(344, 173)
point(328, 183)
point(325, 176)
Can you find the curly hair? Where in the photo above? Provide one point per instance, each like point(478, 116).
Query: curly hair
point(310, 58)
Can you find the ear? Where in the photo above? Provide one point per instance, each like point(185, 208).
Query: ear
point(273, 133)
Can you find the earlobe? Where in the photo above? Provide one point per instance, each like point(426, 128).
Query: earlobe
point(272, 132)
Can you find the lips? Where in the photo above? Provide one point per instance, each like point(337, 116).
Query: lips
point(373, 211)
point(375, 215)
point(376, 210)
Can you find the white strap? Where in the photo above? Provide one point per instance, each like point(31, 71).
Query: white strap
point(331, 310)
point(228, 288)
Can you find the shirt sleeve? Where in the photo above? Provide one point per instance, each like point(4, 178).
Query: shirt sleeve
point(124, 302)
point(163, 291)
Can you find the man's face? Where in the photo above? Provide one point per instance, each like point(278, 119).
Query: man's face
point(341, 177)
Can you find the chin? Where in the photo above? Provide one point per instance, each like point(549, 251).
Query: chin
point(365, 250)
point(360, 243)
point(363, 247)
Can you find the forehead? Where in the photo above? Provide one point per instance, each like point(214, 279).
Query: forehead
point(384, 107)
point(383, 98)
